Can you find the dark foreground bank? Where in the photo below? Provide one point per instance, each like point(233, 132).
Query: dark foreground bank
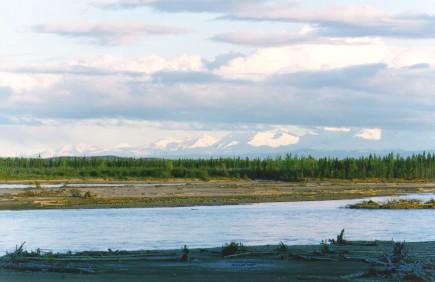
point(335, 260)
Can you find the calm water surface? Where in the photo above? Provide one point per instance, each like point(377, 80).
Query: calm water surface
point(168, 228)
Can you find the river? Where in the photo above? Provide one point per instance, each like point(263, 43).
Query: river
point(169, 228)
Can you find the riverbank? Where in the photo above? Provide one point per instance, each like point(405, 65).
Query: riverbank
point(348, 261)
point(91, 195)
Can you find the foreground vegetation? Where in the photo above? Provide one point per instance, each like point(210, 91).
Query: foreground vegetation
point(197, 193)
point(288, 168)
point(401, 204)
point(333, 261)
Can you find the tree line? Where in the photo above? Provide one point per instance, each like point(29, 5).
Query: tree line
point(285, 168)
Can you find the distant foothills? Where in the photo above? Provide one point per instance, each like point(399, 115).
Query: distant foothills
point(290, 167)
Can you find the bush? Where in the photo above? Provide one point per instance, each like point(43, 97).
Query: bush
point(398, 252)
point(184, 254)
point(340, 239)
point(75, 193)
point(232, 249)
point(282, 247)
point(325, 247)
point(203, 175)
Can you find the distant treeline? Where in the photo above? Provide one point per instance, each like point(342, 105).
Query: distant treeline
point(288, 168)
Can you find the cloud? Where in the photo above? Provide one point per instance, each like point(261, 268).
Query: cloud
point(264, 39)
point(5, 92)
point(221, 60)
point(337, 129)
point(288, 89)
point(331, 74)
point(20, 82)
point(107, 66)
point(306, 57)
point(337, 22)
point(198, 6)
point(107, 33)
point(353, 21)
point(185, 77)
point(370, 134)
point(306, 35)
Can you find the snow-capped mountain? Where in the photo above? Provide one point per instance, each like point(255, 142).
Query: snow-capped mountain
point(121, 150)
point(232, 144)
point(173, 145)
point(261, 143)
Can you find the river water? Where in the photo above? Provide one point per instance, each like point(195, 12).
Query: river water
point(169, 228)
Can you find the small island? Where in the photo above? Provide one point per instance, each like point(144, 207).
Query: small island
point(401, 204)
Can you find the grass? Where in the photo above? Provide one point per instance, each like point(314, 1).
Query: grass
point(21, 252)
point(401, 204)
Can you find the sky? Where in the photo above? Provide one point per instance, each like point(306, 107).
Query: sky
point(134, 77)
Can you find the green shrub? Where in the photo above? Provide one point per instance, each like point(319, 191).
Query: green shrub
point(325, 247)
point(232, 249)
point(282, 247)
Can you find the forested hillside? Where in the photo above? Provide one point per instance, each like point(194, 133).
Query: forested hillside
point(288, 168)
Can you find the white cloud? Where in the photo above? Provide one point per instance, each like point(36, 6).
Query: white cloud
point(348, 21)
point(263, 39)
point(36, 83)
point(415, 55)
point(337, 129)
point(25, 82)
point(107, 33)
point(306, 57)
point(351, 21)
point(352, 14)
point(146, 64)
point(370, 134)
point(200, 6)
point(113, 87)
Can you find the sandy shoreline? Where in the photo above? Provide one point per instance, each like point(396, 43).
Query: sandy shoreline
point(196, 193)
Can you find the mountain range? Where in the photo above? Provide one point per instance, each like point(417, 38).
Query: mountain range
point(269, 143)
